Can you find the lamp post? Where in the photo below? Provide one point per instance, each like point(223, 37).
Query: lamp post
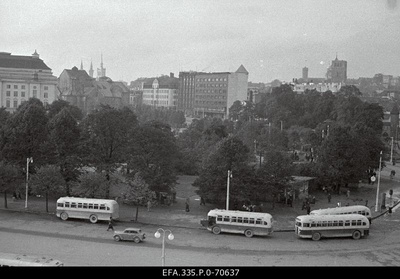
point(28, 160)
point(170, 237)
point(379, 180)
point(227, 189)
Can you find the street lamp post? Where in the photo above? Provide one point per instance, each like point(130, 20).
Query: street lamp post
point(28, 160)
point(379, 180)
point(227, 189)
point(170, 237)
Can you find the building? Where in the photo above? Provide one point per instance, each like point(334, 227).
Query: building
point(211, 94)
point(161, 91)
point(102, 71)
point(81, 90)
point(24, 77)
point(337, 72)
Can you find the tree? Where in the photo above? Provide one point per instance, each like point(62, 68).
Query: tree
point(92, 185)
point(10, 178)
point(138, 193)
point(228, 155)
point(26, 133)
point(154, 153)
point(47, 181)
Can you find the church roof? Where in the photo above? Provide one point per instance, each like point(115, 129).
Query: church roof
point(242, 69)
point(21, 62)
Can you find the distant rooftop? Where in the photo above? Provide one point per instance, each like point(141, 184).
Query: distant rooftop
point(22, 62)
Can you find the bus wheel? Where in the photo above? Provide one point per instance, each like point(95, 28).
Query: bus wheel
point(316, 236)
point(64, 216)
point(216, 230)
point(93, 218)
point(356, 235)
point(248, 233)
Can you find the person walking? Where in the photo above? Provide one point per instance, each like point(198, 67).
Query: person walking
point(110, 225)
point(148, 205)
point(308, 209)
point(187, 205)
point(329, 197)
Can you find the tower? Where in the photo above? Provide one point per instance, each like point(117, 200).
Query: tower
point(81, 65)
point(91, 69)
point(102, 71)
point(337, 72)
point(305, 74)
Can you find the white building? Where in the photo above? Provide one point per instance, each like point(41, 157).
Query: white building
point(24, 77)
point(159, 97)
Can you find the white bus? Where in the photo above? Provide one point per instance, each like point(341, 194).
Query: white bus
point(352, 209)
point(317, 226)
point(85, 208)
point(233, 221)
point(25, 260)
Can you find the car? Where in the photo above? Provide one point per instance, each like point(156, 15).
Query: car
point(130, 234)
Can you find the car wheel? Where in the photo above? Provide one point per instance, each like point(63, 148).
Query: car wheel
point(356, 235)
point(248, 233)
point(136, 239)
point(93, 218)
point(64, 216)
point(117, 238)
point(216, 230)
point(316, 236)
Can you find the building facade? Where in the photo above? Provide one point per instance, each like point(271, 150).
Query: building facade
point(159, 95)
point(24, 77)
point(337, 72)
point(211, 94)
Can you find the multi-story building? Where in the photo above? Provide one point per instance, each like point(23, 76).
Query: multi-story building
point(24, 77)
point(337, 72)
point(211, 94)
point(160, 91)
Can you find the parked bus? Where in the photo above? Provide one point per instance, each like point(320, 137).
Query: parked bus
point(25, 260)
point(85, 208)
point(352, 209)
point(317, 226)
point(233, 221)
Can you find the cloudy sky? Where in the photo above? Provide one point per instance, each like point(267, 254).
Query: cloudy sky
point(273, 39)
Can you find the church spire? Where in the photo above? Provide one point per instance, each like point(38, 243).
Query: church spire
point(81, 65)
point(91, 69)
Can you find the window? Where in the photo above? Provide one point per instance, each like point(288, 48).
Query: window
point(15, 86)
point(258, 221)
point(34, 93)
point(22, 86)
point(73, 204)
point(251, 221)
point(347, 223)
point(8, 86)
point(60, 204)
point(95, 206)
point(15, 93)
point(219, 218)
point(45, 95)
point(240, 220)
point(79, 205)
point(226, 218)
point(8, 93)
point(15, 103)
point(22, 94)
point(85, 205)
point(7, 103)
point(245, 220)
point(66, 204)
point(90, 205)
point(233, 219)
point(353, 222)
point(102, 206)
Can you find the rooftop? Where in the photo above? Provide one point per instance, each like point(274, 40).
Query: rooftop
point(21, 62)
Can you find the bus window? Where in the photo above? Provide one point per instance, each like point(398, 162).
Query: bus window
point(90, 205)
point(306, 225)
point(330, 223)
point(79, 205)
point(359, 222)
point(226, 218)
point(85, 205)
point(95, 206)
point(240, 220)
point(324, 223)
point(102, 206)
point(335, 223)
point(265, 223)
point(66, 204)
point(313, 224)
point(353, 222)
point(258, 221)
point(347, 223)
point(340, 223)
point(245, 220)
point(251, 221)
point(233, 220)
point(60, 204)
point(219, 218)
point(73, 205)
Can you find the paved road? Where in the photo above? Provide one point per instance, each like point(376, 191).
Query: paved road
point(47, 235)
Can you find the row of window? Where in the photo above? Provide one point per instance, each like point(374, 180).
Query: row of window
point(338, 223)
point(34, 94)
point(22, 86)
point(211, 85)
point(210, 97)
point(241, 220)
point(17, 102)
point(83, 205)
point(212, 79)
point(210, 91)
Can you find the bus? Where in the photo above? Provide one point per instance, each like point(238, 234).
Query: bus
point(86, 208)
point(352, 209)
point(317, 226)
point(27, 260)
point(233, 221)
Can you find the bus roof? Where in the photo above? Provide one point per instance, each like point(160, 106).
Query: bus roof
point(311, 218)
point(341, 209)
point(238, 213)
point(87, 200)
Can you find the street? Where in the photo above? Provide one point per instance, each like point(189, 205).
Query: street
point(78, 243)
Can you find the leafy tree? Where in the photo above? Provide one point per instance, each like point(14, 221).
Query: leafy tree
point(10, 178)
point(138, 193)
point(154, 154)
point(47, 181)
point(92, 185)
point(230, 154)
point(26, 133)
point(58, 105)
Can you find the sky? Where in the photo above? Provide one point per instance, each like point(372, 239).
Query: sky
point(272, 39)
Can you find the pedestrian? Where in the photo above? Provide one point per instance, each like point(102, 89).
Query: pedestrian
point(308, 209)
point(329, 197)
point(202, 201)
point(348, 193)
point(110, 225)
point(148, 205)
point(187, 205)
